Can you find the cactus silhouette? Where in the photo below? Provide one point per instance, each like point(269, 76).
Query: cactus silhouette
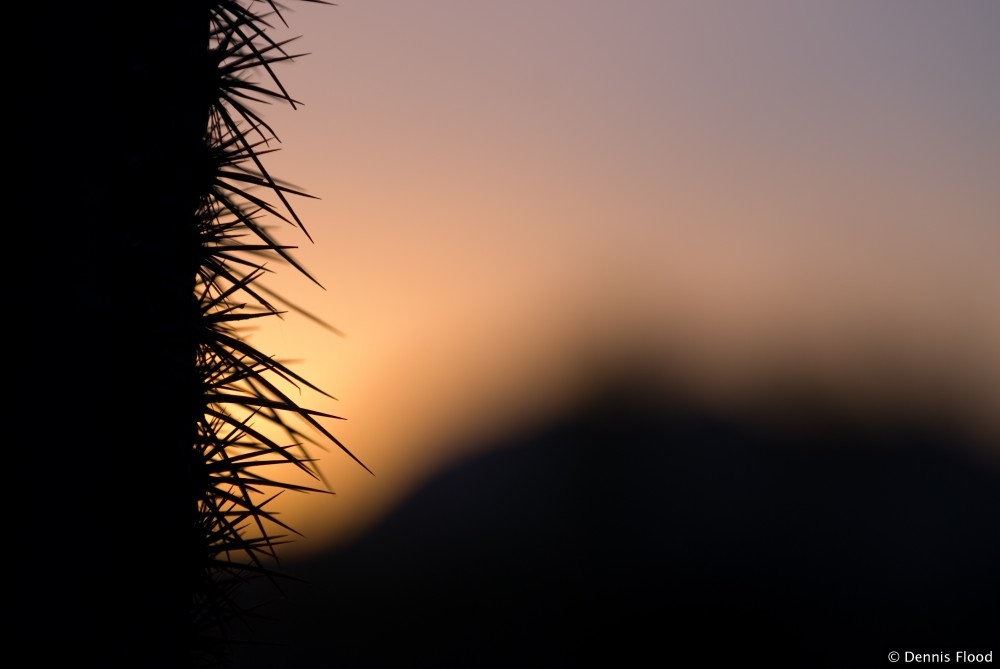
point(145, 420)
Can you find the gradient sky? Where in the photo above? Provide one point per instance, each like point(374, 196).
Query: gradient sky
point(512, 193)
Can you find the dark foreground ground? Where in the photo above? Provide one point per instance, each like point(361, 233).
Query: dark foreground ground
point(639, 534)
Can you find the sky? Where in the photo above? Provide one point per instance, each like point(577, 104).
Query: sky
point(515, 196)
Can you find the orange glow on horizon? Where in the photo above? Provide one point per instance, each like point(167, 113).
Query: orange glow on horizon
point(514, 196)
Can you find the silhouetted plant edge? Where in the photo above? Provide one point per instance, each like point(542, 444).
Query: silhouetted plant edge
point(240, 386)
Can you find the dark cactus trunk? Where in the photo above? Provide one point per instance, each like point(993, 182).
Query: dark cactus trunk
point(141, 508)
point(107, 542)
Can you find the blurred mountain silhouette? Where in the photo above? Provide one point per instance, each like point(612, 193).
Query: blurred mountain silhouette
point(644, 528)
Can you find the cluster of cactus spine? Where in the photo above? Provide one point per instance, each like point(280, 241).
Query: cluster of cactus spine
point(242, 398)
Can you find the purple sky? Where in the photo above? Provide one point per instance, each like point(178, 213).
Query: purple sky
point(512, 190)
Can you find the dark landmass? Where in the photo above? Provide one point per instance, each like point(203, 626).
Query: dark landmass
point(638, 532)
